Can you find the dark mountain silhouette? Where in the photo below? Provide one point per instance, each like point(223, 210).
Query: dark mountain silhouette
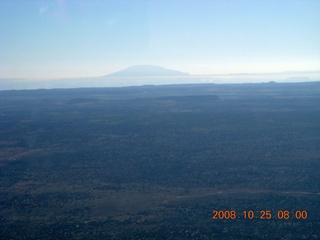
point(147, 70)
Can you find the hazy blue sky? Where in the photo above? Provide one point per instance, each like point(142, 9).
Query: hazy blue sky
point(65, 38)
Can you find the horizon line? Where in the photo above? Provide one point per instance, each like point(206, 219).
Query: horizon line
point(166, 76)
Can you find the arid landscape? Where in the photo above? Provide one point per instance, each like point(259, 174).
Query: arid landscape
point(154, 162)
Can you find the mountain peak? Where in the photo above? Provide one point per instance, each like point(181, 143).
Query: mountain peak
point(147, 71)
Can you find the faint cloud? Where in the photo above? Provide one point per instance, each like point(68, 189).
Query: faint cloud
point(61, 10)
point(43, 10)
point(54, 9)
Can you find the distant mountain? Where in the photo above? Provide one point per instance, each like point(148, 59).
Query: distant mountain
point(147, 71)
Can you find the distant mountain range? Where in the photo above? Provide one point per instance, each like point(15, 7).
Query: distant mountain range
point(139, 75)
point(146, 71)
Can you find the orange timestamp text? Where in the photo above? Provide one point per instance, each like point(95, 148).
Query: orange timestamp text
point(262, 214)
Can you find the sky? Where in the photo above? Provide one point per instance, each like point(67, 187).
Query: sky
point(47, 39)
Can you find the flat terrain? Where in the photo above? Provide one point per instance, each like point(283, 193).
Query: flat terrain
point(154, 162)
